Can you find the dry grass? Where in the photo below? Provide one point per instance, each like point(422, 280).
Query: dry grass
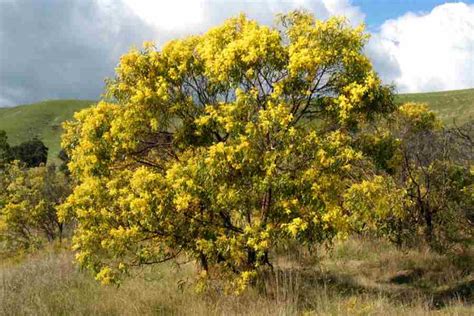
point(357, 278)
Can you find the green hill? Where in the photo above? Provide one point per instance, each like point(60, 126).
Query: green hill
point(44, 119)
point(452, 106)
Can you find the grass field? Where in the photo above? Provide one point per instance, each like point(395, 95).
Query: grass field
point(360, 277)
point(43, 119)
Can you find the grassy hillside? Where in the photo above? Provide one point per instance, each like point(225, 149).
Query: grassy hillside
point(452, 106)
point(40, 119)
point(43, 119)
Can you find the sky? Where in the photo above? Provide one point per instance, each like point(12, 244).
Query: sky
point(64, 49)
point(378, 11)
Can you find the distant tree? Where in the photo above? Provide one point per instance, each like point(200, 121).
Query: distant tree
point(224, 145)
point(32, 153)
point(5, 150)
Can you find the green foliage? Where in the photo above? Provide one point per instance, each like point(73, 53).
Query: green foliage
point(224, 145)
point(29, 197)
point(381, 146)
point(64, 158)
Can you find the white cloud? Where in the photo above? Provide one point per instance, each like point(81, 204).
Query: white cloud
point(182, 17)
point(345, 7)
point(169, 15)
point(427, 52)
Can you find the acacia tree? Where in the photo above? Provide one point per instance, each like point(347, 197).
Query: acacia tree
point(223, 145)
point(28, 201)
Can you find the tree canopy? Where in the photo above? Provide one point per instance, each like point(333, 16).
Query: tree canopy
point(222, 146)
point(32, 153)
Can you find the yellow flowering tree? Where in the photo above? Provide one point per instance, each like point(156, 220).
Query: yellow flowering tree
point(28, 201)
point(221, 146)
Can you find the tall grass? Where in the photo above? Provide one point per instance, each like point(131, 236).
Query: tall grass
point(359, 277)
